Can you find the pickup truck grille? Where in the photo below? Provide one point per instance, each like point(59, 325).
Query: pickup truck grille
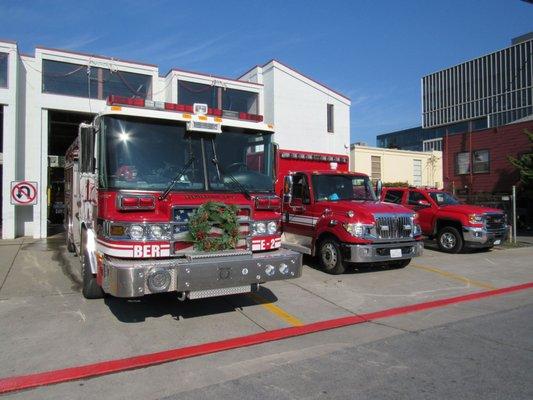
point(495, 222)
point(393, 226)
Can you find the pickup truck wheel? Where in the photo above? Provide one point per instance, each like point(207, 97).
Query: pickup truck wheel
point(331, 257)
point(90, 289)
point(450, 240)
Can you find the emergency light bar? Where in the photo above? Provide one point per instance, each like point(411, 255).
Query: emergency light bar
point(197, 108)
point(313, 157)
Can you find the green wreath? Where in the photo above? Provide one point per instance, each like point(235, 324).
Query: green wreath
point(212, 216)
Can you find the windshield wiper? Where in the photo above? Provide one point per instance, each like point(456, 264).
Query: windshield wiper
point(177, 178)
point(220, 171)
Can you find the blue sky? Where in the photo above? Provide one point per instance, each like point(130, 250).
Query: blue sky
point(375, 52)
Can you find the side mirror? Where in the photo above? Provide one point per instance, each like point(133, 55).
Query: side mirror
point(379, 188)
point(287, 189)
point(423, 203)
point(86, 138)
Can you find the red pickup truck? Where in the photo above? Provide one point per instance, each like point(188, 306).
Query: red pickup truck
point(335, 214)
point(454, 225)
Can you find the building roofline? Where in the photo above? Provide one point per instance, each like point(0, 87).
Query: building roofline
point(374, 148)
point(96, 56)
point(273, 60)
point(475, 58)
point(8, 41)
point(212, 76)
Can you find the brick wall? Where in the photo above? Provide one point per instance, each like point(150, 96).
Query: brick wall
point(501, 142)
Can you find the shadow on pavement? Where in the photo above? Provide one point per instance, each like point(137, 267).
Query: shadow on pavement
point(313, 262)
point(163, 304)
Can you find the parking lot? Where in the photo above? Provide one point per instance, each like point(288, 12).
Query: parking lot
point(47, 325)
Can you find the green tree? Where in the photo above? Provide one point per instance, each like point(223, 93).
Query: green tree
point(524, 163)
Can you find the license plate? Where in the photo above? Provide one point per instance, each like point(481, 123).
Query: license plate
point(497, 242)
point(395, 253)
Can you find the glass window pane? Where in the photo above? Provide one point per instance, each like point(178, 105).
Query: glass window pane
point(239, 100)
point(68, 79)
point(3, 69)
point(191, 92)
point(480, 161)
point(462, 166)
point(126, 84)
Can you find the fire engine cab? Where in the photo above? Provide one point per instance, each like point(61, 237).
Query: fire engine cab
point(335, 214)
point(135, 177)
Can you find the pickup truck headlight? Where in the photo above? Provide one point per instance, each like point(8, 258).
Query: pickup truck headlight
point(476, 218)
point(417, 231)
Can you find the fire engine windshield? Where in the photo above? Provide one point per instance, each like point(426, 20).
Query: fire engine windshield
point(147, 154)
point(342, 187)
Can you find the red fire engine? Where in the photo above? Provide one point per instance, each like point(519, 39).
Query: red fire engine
point(334, 214)
point(133, 181)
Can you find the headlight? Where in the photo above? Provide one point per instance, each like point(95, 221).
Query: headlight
point(476, 218)
point(272, 227)
point(136, 232)
point(357, 229)
point(417, 231)
point(259, 228)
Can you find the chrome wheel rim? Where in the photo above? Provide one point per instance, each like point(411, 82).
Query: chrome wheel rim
point(329, 256)
point(448, 240)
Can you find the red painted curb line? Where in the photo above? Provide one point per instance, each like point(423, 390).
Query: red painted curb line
point(21, 382)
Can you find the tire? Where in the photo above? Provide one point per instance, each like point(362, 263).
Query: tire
point(90, 288)
point(331, 258)
point(450, 240)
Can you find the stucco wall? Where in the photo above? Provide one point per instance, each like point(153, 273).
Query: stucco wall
point(398, 165)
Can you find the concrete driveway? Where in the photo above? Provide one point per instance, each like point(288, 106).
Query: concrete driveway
point(46, 324)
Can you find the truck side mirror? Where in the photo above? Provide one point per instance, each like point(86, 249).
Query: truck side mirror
point(287, 189)
point(423, 203)
point(379, 188)
point(86, 138)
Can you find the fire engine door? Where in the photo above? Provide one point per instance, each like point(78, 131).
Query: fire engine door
point(297, 218)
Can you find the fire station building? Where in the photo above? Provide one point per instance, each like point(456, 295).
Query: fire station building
point(45, 96)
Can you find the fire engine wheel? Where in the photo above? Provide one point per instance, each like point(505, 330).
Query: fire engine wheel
point(331, 257)
point(90, 289)
point(450, 240)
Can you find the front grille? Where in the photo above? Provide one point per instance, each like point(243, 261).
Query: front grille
point(495, 222)
point(393, 226)
point(180, 228)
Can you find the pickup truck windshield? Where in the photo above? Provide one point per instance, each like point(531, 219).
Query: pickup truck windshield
point(143, 154)
point(342, 187)
point(443, 198)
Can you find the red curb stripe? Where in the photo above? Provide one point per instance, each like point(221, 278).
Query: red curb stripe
point(21, 382)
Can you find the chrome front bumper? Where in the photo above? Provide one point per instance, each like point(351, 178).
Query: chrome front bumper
point(380, 252)
point(480, 237)
point(198, 272)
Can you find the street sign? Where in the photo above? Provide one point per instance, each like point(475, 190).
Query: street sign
point(23, 193)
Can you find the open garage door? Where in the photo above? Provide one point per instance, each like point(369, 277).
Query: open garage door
point(62, 131)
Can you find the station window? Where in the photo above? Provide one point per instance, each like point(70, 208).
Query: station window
point(480, 161)
point(192, 92)
point(462, 163)
point(330, 117)
point(3, 69)
point(96, 83)
point(218, 97)
point(239, 100)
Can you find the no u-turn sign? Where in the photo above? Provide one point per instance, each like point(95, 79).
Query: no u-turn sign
point(23, 193)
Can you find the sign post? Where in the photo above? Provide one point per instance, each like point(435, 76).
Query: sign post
point(23, 193)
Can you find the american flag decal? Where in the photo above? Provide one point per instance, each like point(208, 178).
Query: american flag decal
point(180, 231)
